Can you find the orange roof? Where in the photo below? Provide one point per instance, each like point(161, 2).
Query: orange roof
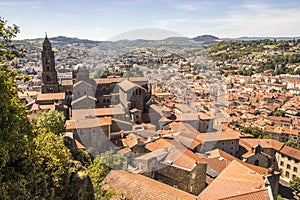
point(235, 180)
point(264, 143)
point(88, 123)
point(98, 112)
point(108, 80)
point(183, 158)
point(218, 136)
point(158, 144)
point(259, 195)
point(79, 145)
point(36, 107)
point(50, 96)
point(292, 152)
point(132, 139)
point(218, 160)
point(135, 186)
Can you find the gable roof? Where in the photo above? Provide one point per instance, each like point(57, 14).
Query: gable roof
point(219, 160)
point(264, 143)
point(88, 123)
point(81, 82)
point(135, 186)
point(292, 152)
point(50, 96)
point(82, 98)
point(127, 85)
point(218, 136)
point(235, 180)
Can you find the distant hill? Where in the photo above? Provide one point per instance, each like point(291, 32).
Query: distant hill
point(207, 39)
point(177, 39)
point(63, 39)
point(262, 38)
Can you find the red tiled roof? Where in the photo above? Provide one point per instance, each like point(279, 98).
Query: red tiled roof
point(50, 96)
point(138, 187)
point(264, 143)
point(88, 123)
point(235, 180)
point(292, 152)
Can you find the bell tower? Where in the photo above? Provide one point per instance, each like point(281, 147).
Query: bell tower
point(49, 74)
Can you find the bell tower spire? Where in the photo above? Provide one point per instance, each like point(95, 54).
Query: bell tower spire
point(49, 74)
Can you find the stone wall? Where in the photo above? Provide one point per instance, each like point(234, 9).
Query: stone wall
point(189, 181)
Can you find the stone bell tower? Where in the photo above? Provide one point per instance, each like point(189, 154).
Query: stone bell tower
point(49, 74)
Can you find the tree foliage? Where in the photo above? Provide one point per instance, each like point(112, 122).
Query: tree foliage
point(33, 164)
point(97, 172)
point(255, 131)
point(15, 132)
point(82, 156)
point(50, 121)
point(101, 166)
point(292, 144)
point(295, 184)
point(52, 163)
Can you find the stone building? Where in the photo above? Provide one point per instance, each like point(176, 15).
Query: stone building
point(93, 133)
point(49, 74)
point(131, 95)
point(176, 167)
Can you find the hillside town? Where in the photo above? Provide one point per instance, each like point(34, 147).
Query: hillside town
point(187, 132)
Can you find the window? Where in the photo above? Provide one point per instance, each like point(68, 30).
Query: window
point(222, 143)
point(288, 166)
point(84, 93)
point(281, 163)
point(287, 174)
point(295, 169)
point(294, 176)
point(232, 142)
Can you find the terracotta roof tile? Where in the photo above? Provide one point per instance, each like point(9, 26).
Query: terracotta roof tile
point(138, 187)
point(292, 152)
point(235, 180)
point(50, 96)
point(264, 143)
point(88, 123)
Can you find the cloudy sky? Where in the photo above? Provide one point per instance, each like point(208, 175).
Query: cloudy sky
point(104, 19)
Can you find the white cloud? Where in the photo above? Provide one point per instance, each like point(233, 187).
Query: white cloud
point(163, 23)
point(251, 19)
point(187, 7)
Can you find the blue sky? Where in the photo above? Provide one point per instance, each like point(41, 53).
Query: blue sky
point(101, 20)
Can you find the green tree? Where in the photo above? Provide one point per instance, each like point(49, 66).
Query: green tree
point(97, 172)
point(292, 144)
point(101, 166)
point(33, 165)
point(15, 131)
point(82, 156)
point(295, 184)
point(112, 160)
point(279, 113)
point(51, 167)
point(50, 121)
point(255, 131)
